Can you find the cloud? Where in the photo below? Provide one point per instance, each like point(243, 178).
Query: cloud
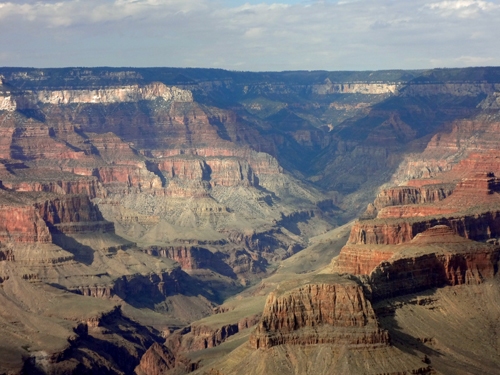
point(363, 34)
point(463, 8)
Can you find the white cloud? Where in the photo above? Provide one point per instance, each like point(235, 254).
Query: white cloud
point(463, 8)
point(363, 34)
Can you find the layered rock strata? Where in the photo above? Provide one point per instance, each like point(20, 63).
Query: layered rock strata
point(434, 258)
point(30, 99)
point(472, 211)
point(329, 309)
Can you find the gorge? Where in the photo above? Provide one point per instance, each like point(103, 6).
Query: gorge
point(172, 221)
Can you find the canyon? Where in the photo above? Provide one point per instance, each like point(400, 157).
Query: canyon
point(172, 221)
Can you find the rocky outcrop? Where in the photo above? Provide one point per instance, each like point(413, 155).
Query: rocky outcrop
point(7, 102)
point(32, 217)
point(361, 259)
point(156, 361)
point(403, 195)
point(22, 224)
point(89, 186)
point(30, 139)
point(133, 287)
point(355, 88)
point(476, 226)
point(6, 255)
point(109, 339)
point(189, 257)
point(220, 170)
point(117, 176)
point(471, 211)
point(329, 309)
point(231, 173)
point(434, 258)
point(206, 337)
point(200, 336)
point(72, 214)
point(260, 162)
point(134, 93)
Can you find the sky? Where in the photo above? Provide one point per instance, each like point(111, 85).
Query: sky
point(252, 35)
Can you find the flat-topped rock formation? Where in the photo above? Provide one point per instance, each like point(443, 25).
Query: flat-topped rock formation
point(30, 99)
point(434, 258)
point(329, 309)
point(472, 211)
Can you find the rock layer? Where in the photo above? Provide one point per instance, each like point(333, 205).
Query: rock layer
point(334, 311)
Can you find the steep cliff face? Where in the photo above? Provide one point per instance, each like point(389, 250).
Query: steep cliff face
point(355, 88)
point(44, 214)
point(23, 224)
point(361, 259)
point(58, 185)
point(403, 195)
point(471, 143)
point(219, 170)
point(135, 93)
point(471, 211)
point(334, 311)
point(434, 258)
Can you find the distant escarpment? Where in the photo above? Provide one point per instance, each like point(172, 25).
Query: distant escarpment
point(30, 99)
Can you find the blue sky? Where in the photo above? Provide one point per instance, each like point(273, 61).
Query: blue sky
point(251, 35)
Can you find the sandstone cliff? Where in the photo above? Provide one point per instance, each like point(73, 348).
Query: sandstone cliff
point(434, 258)
point(327, 310)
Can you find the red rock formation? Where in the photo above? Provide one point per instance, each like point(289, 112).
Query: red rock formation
point(361, 259)
point(198, 336)
point(231, 172)
point(190, 258)
point(206, 337)
point(468, 147)
point(474, 225)
point(327, 311)
point(476, 190)
point(433, 258)
point(184, 168)
point(413, 211)
point(88, 186)
point(401, 195)
point(29, 139)
point(156, 361)
point(128, 176)
point(72, 214)
point(260, 163)
point(479, 192)
point(20, 222)
point(155, 286)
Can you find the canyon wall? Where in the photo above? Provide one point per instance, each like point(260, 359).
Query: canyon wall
point(317, 313)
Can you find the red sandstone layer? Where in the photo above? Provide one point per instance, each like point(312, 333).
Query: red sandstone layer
point(334, 311)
